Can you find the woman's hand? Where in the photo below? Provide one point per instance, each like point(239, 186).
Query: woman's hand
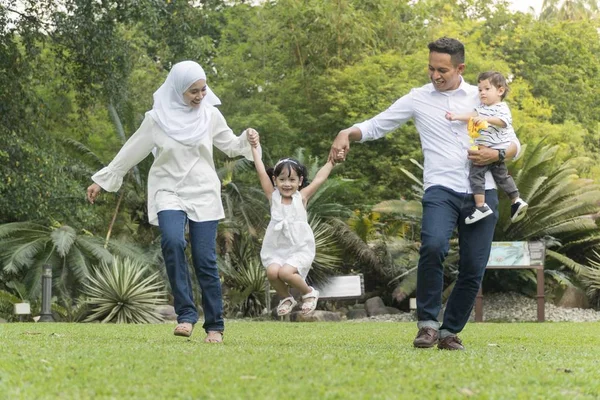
point(93, 191)
point(252, 136)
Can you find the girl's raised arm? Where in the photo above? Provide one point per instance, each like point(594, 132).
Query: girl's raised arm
point(265, 180)
point(320, 178)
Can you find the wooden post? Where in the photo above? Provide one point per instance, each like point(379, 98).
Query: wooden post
point(479, 306)
point(540, 294)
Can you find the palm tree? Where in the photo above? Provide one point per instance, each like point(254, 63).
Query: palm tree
point(571, 10)
point(385, 248)
point(591, 278)
point(244, 278)
point(561, 206)
point(26, 246)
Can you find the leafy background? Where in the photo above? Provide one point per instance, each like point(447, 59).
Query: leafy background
point(78, 76)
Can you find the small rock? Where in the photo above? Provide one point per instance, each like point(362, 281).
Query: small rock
point(315, 316)
point(375, 306)
point(573, 297)
point(167, 312)
point(356, 314)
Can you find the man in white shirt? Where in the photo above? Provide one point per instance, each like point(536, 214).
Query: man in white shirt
point(447, 200)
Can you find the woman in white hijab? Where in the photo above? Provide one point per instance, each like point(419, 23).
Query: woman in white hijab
point(183, 186)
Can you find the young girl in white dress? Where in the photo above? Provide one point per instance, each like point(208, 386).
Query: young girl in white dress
point(288, 248)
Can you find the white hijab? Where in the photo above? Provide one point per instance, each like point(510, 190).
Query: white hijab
point(184, 123)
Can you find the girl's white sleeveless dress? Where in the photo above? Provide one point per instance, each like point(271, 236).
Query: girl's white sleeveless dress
point(289, 238)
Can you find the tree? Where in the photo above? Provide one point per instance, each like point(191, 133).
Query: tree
point(25, 247)
point(34, 184)
point(561, 206)
point(572, 10)
point(559, 62)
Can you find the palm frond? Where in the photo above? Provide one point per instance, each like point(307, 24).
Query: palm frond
point(83, 151)
point(578, 225)
point(591, 276)
point(560, 277)
point(350, 241)
point(24, 254)
point(13, 228)
point(323, 203)
point(94, 247)
point(63, 238)
point(78, 264)
point(567, 262)
point(328, 256)
point(6, 297)
point(127, 250)
point(411, 176)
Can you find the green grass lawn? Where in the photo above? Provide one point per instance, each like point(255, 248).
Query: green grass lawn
point(282, 360)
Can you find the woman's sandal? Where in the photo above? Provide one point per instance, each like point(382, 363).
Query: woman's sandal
point(285, 306)
point(309, 306)
point(214, 337)
point(183, 329)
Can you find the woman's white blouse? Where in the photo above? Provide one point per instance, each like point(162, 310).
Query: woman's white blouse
point(181, 177)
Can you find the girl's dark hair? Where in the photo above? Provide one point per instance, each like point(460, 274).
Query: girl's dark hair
point(496, 79)
point(287, 164)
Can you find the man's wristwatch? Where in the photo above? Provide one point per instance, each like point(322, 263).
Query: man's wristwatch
point(501, 154)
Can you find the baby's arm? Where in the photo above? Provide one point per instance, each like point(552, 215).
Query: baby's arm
point(320, 178)
point(265, 180)
point(460, 117)
point(497, 115)
point(491, 120)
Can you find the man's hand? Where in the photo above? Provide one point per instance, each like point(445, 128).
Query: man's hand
point(340, 147)
point(483, 156)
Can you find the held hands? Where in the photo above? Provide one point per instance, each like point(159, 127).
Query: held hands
point(340, 147)
point(93, 191)
point(337, 159)
point(253, 137)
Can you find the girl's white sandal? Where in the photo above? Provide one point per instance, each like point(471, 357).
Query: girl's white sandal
point(286, 305)
point(308, 307)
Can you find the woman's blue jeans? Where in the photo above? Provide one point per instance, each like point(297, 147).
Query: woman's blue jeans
point(203, 236)
point(443, 211)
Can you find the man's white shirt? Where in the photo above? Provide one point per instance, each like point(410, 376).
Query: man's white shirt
point(444, 143)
